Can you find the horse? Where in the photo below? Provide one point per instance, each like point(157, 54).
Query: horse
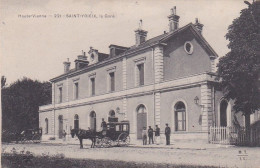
point(84, 134)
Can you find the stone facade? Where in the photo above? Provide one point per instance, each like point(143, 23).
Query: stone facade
point(162, 75)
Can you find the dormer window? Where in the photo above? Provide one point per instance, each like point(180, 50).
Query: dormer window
point(92, 57)
point(188, 47)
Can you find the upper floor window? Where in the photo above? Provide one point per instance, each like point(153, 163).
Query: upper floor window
point(76, 90)
point(139, 71)
point(140, 74)
point(188, 47)
point(112, 81)
point(60, 95)
point(92, 81)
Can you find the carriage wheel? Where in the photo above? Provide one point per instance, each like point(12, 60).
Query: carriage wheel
point(106, 142)
point(123, 139)
point(126, 141)
point(36, 138)
point(23, 140)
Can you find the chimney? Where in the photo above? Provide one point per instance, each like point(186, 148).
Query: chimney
point(173, 20)
point(140, 35)
point(81, 62)
point(198, 25)
point(66, 66)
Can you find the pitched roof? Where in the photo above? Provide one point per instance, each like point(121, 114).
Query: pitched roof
point(151, 42)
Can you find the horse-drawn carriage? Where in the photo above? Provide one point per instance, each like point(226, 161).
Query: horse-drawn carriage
point(116, 134)
point(30, 135)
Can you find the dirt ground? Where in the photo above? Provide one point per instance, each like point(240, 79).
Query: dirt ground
point(222, 156)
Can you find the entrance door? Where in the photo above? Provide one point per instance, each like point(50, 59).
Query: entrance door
point(223, 113)
point(141, 120)
point(93, 121)
point(60, 126)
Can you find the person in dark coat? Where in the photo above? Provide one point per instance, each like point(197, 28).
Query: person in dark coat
point(157, 134)
point(104, 125)
point(167, 134)
point(150, 134)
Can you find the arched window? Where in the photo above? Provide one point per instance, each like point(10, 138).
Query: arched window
point(76, 121)
point(112, 113)
point(46, 125)
point(93, 121)
point(141, 109)
point(180, 116)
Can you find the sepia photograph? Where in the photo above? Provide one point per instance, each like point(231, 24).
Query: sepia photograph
point(130, 83)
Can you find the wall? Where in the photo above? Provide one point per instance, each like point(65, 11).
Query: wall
point(187, 95)
point(133, 103)
point(64, 90)
point(218, 98)
point(101, 82)
point(148, 71)
point(177, 63)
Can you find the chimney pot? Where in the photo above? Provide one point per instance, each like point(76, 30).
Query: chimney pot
point(140, 34)
point(198, 25)
point(66, 66)
point(174, 20)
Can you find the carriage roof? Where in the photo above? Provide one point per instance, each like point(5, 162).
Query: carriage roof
point(124, 122)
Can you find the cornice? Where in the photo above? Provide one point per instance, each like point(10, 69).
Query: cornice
point(166, 86)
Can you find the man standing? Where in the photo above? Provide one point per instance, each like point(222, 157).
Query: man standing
point(157, 134)
point(167, 134)
point(104, 125)
point(144, 135)
point(150, 134)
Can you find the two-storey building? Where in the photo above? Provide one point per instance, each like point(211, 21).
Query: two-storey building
point(166, 79)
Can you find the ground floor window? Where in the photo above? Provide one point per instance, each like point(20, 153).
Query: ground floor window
point(76, 122)
point(46, 125)
point(112, 113)
point(180, 116)
point(93, 121)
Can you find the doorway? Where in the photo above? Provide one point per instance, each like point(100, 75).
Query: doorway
point(223, 113)
point(141, 120)
point(60, 126)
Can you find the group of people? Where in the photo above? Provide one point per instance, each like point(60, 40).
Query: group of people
point(156, 133)
point(150, 133)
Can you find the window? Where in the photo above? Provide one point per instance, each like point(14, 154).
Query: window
point(60, 94)
point(46, 125)
point(188, 47)
point(76, 90)
point(112, 81)
point(112, 113)
point(92, 86)
point(180, 117)
point(140, 74)
point(76, 122)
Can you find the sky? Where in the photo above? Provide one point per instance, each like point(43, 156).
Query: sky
point(37, 47)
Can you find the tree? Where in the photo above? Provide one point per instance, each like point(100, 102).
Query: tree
point(239, 69)
point(20, 104)
point(3, 81)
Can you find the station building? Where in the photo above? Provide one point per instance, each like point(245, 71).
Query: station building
point(166, 79)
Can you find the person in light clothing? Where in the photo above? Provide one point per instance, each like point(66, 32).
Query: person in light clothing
point(144, 135)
